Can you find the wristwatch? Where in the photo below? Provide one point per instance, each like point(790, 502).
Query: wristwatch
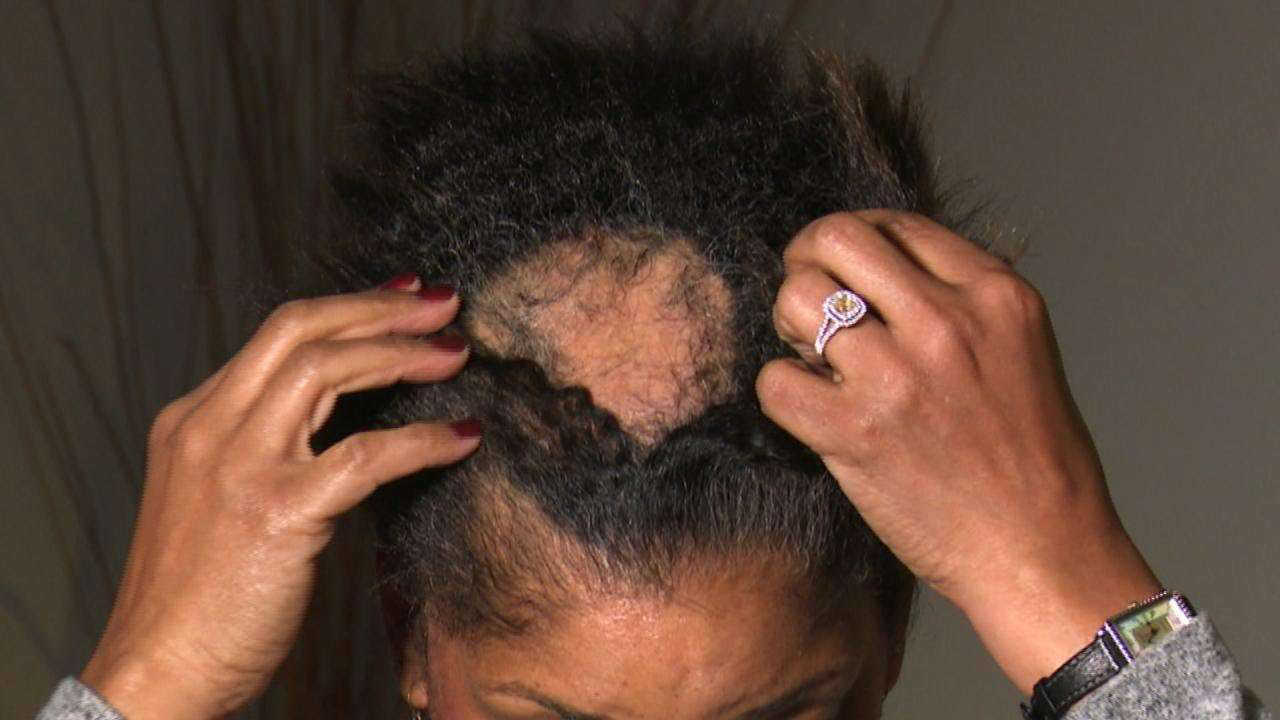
point(1122, 638)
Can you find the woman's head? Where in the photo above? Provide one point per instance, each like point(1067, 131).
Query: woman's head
point(632, 531)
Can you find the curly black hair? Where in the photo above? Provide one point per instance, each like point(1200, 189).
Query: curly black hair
point(467, 166)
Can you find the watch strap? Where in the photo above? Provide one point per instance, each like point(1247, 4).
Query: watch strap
point(1097, 663)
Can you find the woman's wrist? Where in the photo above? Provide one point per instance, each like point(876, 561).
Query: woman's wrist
point(140, 688)
point(1036, 618)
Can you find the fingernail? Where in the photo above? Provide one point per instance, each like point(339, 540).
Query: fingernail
point(436, 293)
point(401, 282)
point(467, 429)
point(449, 342)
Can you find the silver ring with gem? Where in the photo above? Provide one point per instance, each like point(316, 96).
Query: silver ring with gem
point(841, 309)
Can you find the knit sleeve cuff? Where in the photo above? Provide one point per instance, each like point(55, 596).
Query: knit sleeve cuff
point(73, 700)
point(1189, 675)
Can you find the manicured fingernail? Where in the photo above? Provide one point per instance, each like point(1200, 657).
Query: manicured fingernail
point(437, 293)
point(467, 429)
point(448, 342)
point(401, 282)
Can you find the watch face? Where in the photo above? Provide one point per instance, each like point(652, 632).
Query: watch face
point(1148, 625)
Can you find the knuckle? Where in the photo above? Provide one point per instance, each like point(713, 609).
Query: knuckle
point(791, 308)
point(906, 224)
point(794, 250)
point(1008, 295)
point(355, 452)
point(822, 236)
point(165, 422)
point(189, 442)
point(832, 234)
point(306, 362)
point(783, 324)
point(289, 318)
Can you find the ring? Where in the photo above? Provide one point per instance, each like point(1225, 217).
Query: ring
point(841, 309)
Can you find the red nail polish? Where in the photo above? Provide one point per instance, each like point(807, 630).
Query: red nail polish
point(400, 282)
point(467, 429)
point(437, 293)
point(448, 343)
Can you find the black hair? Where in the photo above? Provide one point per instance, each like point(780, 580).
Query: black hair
point(464, 167)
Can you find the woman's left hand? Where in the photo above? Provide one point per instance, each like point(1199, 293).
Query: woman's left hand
point(948, 423)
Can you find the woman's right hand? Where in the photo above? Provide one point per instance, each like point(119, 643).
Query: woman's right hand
point(236, 507)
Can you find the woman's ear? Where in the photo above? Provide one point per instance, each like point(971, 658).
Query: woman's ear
point(413, 679)
point(409, 647)
point(411, 659)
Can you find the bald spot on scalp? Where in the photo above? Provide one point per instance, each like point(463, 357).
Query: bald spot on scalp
point(636, 320)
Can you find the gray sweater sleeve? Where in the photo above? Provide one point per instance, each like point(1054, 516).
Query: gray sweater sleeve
point(1190, 675)
point(72, 700)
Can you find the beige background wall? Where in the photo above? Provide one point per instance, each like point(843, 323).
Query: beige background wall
point(1133, 143)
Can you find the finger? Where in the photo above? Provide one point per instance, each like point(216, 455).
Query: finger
point(933, 246)
point(854, 253)
point(345, 474)
point(798, 316)
point(300, 396)
point(337, 317)
point(405, 283)
point(803, 403)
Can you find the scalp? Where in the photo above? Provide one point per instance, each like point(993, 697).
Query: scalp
point(640, 322)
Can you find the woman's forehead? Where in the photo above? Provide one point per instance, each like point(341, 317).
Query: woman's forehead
point(715, 647)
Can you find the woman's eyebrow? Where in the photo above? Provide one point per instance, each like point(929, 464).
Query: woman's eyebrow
point(805, 692)
point(802, 694)
point(563, 711)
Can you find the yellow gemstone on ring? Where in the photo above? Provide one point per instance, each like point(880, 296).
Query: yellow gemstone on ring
point(841, 309)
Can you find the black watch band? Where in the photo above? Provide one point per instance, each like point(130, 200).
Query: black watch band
point(1112, 649)
point(1084, 672)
